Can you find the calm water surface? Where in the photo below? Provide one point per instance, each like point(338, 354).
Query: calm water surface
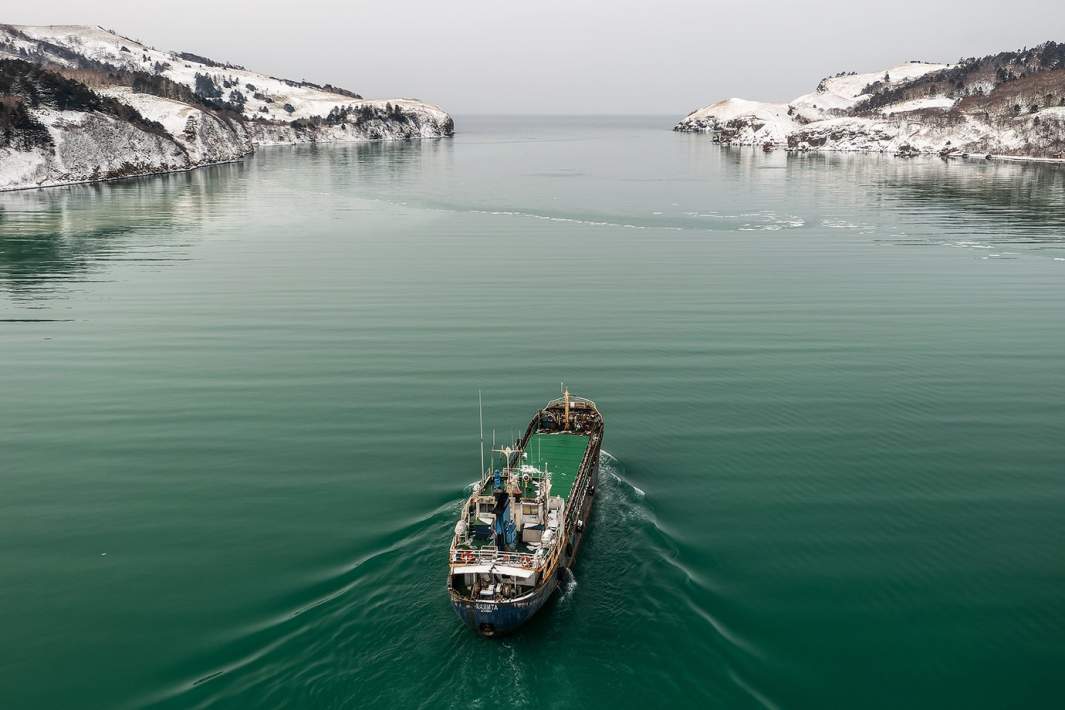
point(239, 412)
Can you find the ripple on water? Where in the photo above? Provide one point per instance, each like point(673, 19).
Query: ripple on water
point(836, 462)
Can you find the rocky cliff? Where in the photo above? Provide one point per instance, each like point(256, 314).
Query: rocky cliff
point(1006, 104)
point(81, 103)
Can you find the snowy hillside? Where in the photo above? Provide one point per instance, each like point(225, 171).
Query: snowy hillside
point(1009, 104)
point(843, 91)
point(82, 103)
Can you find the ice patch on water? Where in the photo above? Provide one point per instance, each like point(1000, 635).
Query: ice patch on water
point(713, 215)
point(754, 221)
point(770, 222)
point(547, 218)
point(843, 224)
point(966, 244)
point(570, 220)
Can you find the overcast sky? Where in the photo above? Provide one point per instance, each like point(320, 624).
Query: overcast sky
point(567, 56)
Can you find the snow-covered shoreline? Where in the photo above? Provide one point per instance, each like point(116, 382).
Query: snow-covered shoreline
point(168, 111)
point(134, 176)
point(1008, 106)
point(195, 165)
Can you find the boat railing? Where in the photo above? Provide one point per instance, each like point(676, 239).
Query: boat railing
point(576, 504)
point(574, 401)
point(518, 559)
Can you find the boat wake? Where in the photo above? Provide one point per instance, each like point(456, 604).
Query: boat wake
point(628, 528)
point(345, 623)
point(568, 586)
point(635, 489)
point(608, 464)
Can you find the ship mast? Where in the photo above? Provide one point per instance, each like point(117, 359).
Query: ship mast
point(565, 403)
point(480, 419)
point(506, 452)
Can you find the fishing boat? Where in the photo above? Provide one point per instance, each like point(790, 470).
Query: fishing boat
point(525, 520)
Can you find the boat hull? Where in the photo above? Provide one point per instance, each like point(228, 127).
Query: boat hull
point(568, 432)
point(495, 618)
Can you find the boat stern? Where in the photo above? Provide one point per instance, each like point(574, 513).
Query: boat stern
point(496, 617)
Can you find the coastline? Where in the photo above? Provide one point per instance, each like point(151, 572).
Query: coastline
point(130, 110)
point(151, 173)
point(889, 153)
point(116, 178)
point(190, 168)
point(1007, 106)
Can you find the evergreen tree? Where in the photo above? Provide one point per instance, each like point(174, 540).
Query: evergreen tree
point(206, 87)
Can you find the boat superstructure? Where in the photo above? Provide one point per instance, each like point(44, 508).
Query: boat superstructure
point(526, 517)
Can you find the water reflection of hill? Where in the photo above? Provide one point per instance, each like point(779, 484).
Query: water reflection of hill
point(70, 233)
point(52, 238)
point(992, 201)
point(56, 236)
point(1025, 200)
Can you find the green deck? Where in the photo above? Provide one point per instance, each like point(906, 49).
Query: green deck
point(562, 453)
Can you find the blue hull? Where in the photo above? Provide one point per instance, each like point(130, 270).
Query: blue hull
point(500, 618)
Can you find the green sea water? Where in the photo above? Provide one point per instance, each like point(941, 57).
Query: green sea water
point(238, 413)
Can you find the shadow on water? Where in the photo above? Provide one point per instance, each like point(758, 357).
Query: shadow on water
point(923, 201)
point(69, 233)
point(1027, 200)
point(930, 198)
point(63, 235)
point(372, 166)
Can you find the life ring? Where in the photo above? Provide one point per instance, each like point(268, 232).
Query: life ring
point(526, 561)
point(467, 556)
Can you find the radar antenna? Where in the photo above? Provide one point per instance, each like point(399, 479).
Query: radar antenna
point(565, 403)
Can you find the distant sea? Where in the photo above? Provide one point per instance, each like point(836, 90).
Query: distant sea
point(239, 413)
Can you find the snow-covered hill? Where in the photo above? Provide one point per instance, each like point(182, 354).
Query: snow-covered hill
point(1008, 104)
point(82, 103)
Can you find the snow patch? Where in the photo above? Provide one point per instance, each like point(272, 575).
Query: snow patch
point(94, 146)
point(933, 102)
point(841, 93)
point(826, 120)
